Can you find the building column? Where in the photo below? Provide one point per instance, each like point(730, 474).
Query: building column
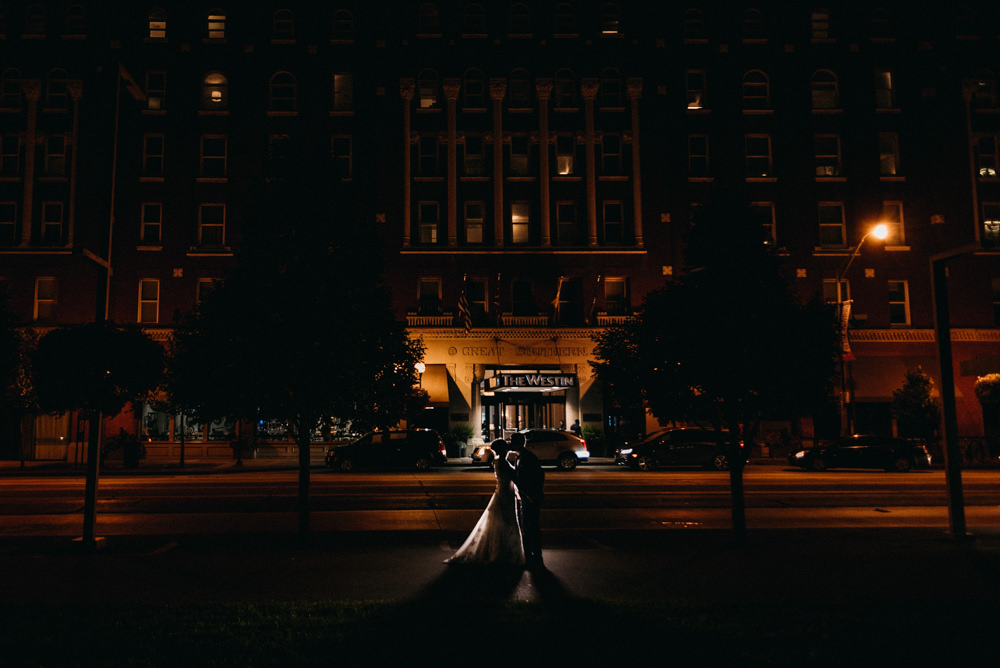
point(451, 87)
point(75, 92)
point(543, 89)
point(33, 92)
point(498, 88)
point(589, 89)
point(406, 91)
point(634, 93)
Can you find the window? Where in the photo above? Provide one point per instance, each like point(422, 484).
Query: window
point(277, 152)
point(827, 152)
point(428, 217)
point(566, 223)
point(342, 153)
point(46, 292)
point(565, 155)
point(884, 95)
point(519, 90)
point(698, 156)
point(156, 90)
point(343, 91)
point(76, 20)
point(204, 287)
point(610, 91)
point(614, 222)
point(569, 307)
point(55, 155)
point(474, 90)
point(610, 19)
point(34, 20)
point(565, 19)
point(995, 292)
point(343, 25)
point(284, 26)
point(834, 293)
point(520, 19)
point(214, 92)
point(52, 223)
point(428, 150)
point(429, 296)
point(831, 224)
point(428, 90)
point(616, 300)
point(56, 90)
point(899, 303)
point(149, 301)
point(756, 91)
point(825, 90)
point(520, 222)
point(157, 24)
point(212, 225)
point(475, 294)
point(821, 24)
point(8, 224)
point(564, 90)
point(216, 24)
point(475, 213)
point(10, 155)
point(758, 156)
point(520, 154)
point(984, 92)
point(694, 25)
point(428, 19)
point(523, 297)
point(473, 156)
point(765, 212)
point(283, 92)
point(474, 20)
point(991, 224)
point(986, 155)
point(213, 156)
point(888, 153)
point(152, 156)
point(151, 225)
point(694, 84)
point(753, 24)
point(611, 155)
point(881, 25)
point(892, 217)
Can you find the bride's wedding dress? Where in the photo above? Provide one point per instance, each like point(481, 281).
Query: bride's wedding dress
point(496, 538)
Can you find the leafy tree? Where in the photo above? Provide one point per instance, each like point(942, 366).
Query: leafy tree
point(916, 413)
point(302, 328)
point(15, 386)
point(727, 341)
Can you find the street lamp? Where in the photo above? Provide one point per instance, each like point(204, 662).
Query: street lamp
point(880, 231)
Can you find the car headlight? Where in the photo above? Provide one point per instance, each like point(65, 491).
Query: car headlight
point(625, 452)
point(800, 454)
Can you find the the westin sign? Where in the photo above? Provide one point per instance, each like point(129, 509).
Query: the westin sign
point(530, 381)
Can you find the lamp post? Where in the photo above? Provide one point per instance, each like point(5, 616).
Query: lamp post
point(880, 231)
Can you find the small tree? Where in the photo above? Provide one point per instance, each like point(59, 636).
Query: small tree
point(988, 392)
point(15, 386)
point(916, 413)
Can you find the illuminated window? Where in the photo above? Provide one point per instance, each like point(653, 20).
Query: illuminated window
point(157, 24)
point(610, 19)
point(214, 92)
point(343, 91)
point(428, 218)
point(55, 155)
point(765, 212)
point(8, 224)
point(825, 90)
point(885, 97)
point(152, 156)
point(888, 151)
point(212, 225)
point(827, 152)
point(566, 224)
point(283, 92)
point(428, 90)
point(899, 303)
point(987, 162)
point(149, 301)
point(475, 213)
point(151, 226)
point(565, 154)
point(216, 24)
point(695, 87)
point(831, 224)
point(698, 156)
point(213, 156)
point(46, 293)
point(991, 224)
point(156, 89)
point(520, 222)
point(758, 156)
point(892, 217)
point(52, 223)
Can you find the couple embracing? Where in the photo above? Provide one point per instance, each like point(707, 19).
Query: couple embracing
point(509, 531)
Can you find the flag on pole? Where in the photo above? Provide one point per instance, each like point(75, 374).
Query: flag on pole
point(130, 84)
point(496, 300)
point(593, 302)
point(463, 307)
point(555, 302)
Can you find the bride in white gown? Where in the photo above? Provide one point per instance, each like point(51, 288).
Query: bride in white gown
point(496, 538)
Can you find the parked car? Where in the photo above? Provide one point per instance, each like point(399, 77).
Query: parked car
point(416, 448)
point(864, 451)
point(552, 446)
point(679, 446)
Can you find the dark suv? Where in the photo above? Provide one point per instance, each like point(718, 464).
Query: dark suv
point(864, 451)
point(681, 446)
point(416, 448)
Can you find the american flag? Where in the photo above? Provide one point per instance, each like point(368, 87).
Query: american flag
point(463, 308)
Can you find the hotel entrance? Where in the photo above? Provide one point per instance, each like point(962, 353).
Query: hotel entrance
point(514, 400)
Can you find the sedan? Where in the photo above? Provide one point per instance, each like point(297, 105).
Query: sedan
point(864, 451)
point(552, 446)
point(682, 446)
point(416, 448)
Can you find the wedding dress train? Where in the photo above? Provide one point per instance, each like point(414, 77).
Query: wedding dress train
point(496, 538)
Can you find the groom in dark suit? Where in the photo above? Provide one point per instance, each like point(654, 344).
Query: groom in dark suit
point(528, 482)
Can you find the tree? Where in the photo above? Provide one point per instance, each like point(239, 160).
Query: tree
point(96, 368)
point(15, 386)
point(301, 329)
point(917, 414)
point(727, 341)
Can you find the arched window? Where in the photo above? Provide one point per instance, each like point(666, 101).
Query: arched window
point(157, 24)
point(753, 24)
point(565, 22)
point(56, 91)
point(611, 88)
point(825, 91)
point(76, 20)
point(610, 19)
point(519, 90)
point(10, 89)
point(428, 19)
point(474, 20)
point(820, 21)
point(756, 91)
point(282, 92)
point(284, 25)
point(564, 91)
point(520, 19)
point(428, 90)
point(215, 91)
point(343, 25)
point(881, 24)
point(216, 24)
point(474, 90)
point(34, 20)
point(694, 24)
